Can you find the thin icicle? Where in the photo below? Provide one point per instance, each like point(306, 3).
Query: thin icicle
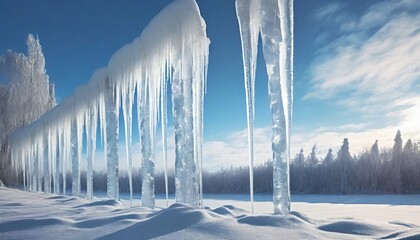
point(127, 105)
point(164, 141)
point(91, 128)
point(248, 17)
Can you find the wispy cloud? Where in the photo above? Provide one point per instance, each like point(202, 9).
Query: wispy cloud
point(330, 10)
point(373, 70)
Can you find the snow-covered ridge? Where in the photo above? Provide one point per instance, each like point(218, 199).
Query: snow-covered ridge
point(174, 48)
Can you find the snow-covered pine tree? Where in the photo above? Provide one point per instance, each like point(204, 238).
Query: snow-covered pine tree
point(344, 159)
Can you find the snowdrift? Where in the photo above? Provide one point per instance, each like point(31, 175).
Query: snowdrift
point(29, 215)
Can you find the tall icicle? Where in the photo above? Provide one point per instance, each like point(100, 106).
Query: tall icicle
point(91, 128)
point(178, 115)
point(35, 168)
point(67, 153)
point(148, 164)
point(57, 163)
point(275, 20)
point(190, 164)
point(112, 113)
point(47, 176)
point(164, 122)
point(39, 157)
point(127, 105)
point(75, 168)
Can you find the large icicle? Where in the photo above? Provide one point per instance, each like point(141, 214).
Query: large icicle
point(277, 35)
point(112, 113)
point(148, 164)
point(178, 115)
point(275, 20)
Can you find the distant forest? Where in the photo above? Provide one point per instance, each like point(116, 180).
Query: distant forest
point(389, 170)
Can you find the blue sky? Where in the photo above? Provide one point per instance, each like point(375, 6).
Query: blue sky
point(357, 67)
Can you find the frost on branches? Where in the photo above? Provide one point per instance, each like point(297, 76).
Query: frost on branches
point(25, 95)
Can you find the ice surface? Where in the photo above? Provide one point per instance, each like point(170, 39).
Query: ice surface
point(274, 20)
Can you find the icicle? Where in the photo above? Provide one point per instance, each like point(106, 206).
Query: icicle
point(34, 168)
point(56, 163)
point(75, 189)
point(67, 153)
point(39, 153)
point(91, 127)
point(127, 105)
point(178, 115)
point(248, 17)
point(47, 176)
point(112, 141)
point(148, 165)
point(164, 141)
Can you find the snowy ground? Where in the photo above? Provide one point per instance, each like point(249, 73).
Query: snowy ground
point(25, 215)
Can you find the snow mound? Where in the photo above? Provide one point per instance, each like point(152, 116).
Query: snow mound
point(173, 219)
point(229, 210)
point(411, 234)
point(102, 203)
point(1, 183)
point(354, 227)
point(288, 221)
point(27, 224)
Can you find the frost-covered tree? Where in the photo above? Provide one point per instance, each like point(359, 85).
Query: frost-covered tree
point(344, 159)
point(312, 158)
point(374, 151)
point(25, 96)
point(300, 158)
point(329, 158)
point(409, 171)
point(395, 171)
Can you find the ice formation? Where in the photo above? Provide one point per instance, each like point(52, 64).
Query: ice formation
point(273, 19)
point(173, 49)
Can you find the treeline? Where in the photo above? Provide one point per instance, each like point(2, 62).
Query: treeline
point(389, 170)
